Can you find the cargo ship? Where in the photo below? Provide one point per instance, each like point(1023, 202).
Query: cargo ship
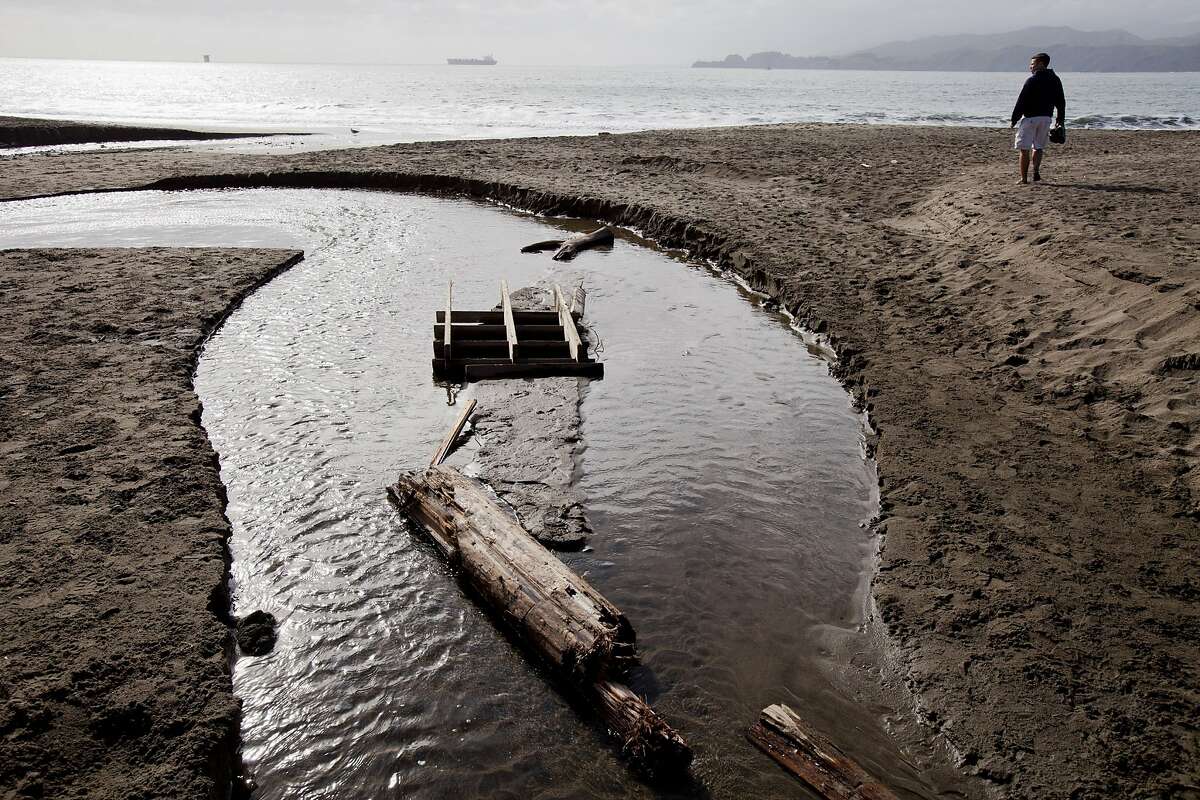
point(486, 61)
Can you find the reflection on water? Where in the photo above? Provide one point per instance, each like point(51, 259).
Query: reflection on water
point(723, 471)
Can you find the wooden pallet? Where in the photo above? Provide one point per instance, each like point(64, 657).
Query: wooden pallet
point(512, 343)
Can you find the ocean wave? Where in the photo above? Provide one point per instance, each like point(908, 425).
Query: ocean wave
point(1140, 122)
point(937, 118)
point(1129, 122)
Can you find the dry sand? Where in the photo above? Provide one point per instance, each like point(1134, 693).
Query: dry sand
point(1029, 355)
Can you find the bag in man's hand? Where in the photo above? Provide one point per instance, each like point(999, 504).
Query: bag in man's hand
point(1058, 134)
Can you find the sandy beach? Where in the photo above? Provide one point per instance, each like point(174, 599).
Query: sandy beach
point(115, 653)
point(1028, 356)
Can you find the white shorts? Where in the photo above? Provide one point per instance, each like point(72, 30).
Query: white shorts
point(1033, 133)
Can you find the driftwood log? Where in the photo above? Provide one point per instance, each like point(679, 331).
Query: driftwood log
point(783, 735)
point(567, 249)
point(579, 634)
point(645, 738)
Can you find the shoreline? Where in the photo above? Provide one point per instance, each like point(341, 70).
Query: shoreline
point(1042, 604)
point(18, 132)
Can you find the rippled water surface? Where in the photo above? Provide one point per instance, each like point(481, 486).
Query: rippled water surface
point(403, 103)
point(724, 476)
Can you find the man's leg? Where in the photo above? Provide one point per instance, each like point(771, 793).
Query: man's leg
point(1037, 164)
point(1024, 166)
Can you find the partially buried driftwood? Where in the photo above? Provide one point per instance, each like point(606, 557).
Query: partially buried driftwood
point(567, 249)
point(783, 735)
point(580, 635)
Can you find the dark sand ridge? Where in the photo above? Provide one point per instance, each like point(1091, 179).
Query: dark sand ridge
point(30, 132)
point(1028, 354)
point(114, 663)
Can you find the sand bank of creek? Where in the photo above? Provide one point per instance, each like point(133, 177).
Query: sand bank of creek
point(1040, 604)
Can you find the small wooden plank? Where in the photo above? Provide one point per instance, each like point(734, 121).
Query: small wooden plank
point(568, 323)
point(510, 324)
point(448, 442)
point(578, 301)
point(782, 734)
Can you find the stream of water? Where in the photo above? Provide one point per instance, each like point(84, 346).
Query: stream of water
point(724, 475)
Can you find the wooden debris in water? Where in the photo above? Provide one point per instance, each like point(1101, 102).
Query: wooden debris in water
point(452, 436)
point(645, 738)
point(567, 249)
point(512, 343)
point(782, 734)
point(579, 634)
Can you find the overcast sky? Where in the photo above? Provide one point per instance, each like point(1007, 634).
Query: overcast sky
point(532, 31)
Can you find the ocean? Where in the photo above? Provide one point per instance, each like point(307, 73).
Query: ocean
point(402, 103)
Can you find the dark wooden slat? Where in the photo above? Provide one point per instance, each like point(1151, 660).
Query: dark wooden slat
point(486, 368)
point(472, 350)
point(482, 331)
point(534, 369)
point(448, 328)
point(529, 361)
point(497, 317)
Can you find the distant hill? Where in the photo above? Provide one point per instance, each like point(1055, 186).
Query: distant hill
point(1072, 51)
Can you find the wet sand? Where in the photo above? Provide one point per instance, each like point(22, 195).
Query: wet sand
point(114, 655)
point(1028, 354)
point(30, 132)
point(529, 446)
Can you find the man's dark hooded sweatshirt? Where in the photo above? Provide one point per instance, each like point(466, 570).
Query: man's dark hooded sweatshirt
point(1040, 96)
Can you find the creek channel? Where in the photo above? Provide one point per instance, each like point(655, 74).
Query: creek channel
point(724, 475)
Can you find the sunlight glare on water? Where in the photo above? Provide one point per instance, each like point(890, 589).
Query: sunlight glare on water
point(403, 103)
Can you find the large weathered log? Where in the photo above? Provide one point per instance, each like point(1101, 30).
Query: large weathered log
point(783, 735)
point(569, 248)
point(570, 625)
point(583, 637)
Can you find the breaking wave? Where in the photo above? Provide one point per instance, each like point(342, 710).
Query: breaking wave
point(1136, 122)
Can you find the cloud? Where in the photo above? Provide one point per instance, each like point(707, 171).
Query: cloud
point(536, 31)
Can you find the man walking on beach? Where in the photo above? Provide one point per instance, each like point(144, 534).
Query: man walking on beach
point(1040, 97)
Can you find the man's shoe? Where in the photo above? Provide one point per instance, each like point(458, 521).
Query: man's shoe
point(1037, 176)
